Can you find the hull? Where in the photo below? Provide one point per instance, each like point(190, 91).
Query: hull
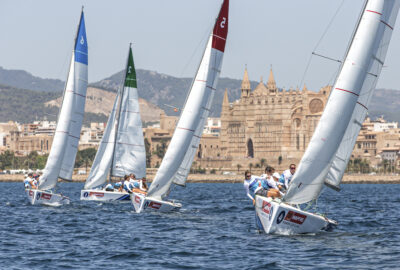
point(275, 217)
point(104, 196)
point(41, 197)
point(142, 203)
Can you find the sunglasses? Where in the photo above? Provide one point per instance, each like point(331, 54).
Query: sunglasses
point(249, 175)
point(292, 168)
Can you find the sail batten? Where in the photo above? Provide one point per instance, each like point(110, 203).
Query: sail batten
point(62, 155)
point(347, 104)
point(178, 159)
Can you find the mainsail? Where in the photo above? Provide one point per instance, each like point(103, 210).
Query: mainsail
point(122, 146)
point(62, 155)
point(182, 148)
point(342, 104)
point(343, 154)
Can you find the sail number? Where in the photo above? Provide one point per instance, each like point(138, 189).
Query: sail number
point(222, 24)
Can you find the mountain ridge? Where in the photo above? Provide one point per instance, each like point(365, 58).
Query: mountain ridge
point(162, 90)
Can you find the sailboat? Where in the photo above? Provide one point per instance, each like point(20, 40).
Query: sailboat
point(178, 159)
point(61, 160)
point(332, 143)
point(121, 149)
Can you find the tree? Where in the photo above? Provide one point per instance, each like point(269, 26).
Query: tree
point(85, 157)
point(238, 167)
point(263, 162)
point(148, 153)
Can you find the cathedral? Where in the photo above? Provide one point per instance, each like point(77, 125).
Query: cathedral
point(269, 123)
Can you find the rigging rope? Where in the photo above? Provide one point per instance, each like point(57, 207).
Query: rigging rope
point(319, 41)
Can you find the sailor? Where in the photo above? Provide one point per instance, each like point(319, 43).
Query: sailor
point(127, 184)
point(28, 180)
point(140, 186)
point(134, 183)
point(119, 186)
point(287, 176)
point(109, 187)
point(254, 185)
point(270, 184)
point(35, 180)
point(276, 184)
point(143, 185)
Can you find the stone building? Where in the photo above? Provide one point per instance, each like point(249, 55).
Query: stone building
point(269, 123)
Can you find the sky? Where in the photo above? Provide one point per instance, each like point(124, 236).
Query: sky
point(169, 37)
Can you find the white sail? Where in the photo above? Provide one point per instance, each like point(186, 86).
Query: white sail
point(183, 171)
point(190, 120)
point(129, 152)
point(78, 89)
point(102, 162)
point(343, 154)
point(70, 116)
point(317, 160)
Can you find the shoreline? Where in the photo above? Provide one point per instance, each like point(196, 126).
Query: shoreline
point(218, 178)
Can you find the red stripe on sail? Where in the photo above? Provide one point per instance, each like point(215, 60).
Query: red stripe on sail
point(374, 12)
point(362, 105)
point(347, 91)
point(186, 129)
point(220, 31)
point(388, 25)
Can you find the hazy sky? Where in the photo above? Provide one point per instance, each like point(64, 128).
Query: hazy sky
point(169, 37)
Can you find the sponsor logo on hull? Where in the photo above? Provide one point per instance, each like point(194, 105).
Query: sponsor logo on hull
point(267, 208)
point(137, 199)
point(295, 217)
point(153, 205)
point(46, 196)
point(97, 194)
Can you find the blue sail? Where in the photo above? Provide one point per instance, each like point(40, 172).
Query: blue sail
point(81, 48)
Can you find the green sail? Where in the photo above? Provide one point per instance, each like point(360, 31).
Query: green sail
point(130, 77)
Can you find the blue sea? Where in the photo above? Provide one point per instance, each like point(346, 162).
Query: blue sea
point(215, 229)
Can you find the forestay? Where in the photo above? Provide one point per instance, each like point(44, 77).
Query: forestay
point(130, 152)
point(179, 157)
point(61, 159)
point(317, 160)
point(343, 154)
point(102, 162)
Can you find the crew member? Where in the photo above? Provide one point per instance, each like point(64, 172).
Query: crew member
point(254, 185)
point(287, 176)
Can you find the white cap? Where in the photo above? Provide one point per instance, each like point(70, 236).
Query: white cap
point(276, 175)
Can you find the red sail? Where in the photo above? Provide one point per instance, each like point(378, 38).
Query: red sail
point(220, 31)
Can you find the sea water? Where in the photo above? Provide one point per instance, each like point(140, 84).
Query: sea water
point(215, 229)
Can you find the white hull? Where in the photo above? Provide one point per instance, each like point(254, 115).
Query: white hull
point(141, 203)
point(104, 196)
point(275, 217)
point(41, 197)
